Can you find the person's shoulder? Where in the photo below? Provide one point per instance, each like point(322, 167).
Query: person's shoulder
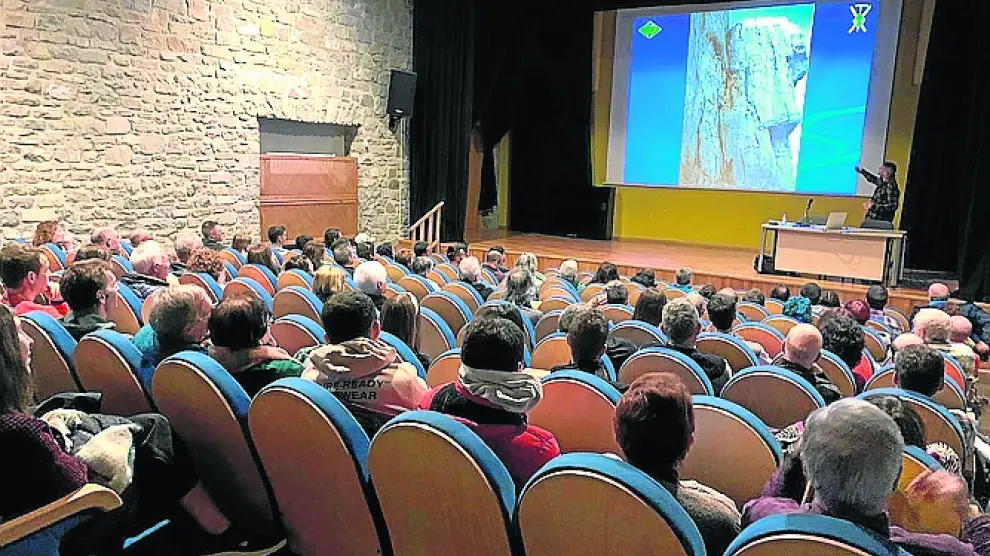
point(709, 497)
point(15, 425)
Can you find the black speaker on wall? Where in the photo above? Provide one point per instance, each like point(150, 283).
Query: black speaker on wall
point(401, 94)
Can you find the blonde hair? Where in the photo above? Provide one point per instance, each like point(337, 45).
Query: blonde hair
point(175, 308)
point(329, 280)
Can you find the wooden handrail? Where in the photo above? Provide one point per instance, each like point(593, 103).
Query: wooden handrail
point(427, 228)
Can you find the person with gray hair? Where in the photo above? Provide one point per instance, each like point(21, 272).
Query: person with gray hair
point(107, 237)
point(371, 279)
point(682, 279)
point(151, 268)
point(568, 273)
point(851, 453)
point(529, 262)
point(185, 244)
point(681, 324)
point(470, 271)
point(935, 327)
point(519, 292)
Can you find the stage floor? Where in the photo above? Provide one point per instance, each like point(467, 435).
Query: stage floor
point(719, 266)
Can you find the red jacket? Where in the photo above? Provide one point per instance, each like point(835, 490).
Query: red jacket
point(521, 447)
point(23, 306)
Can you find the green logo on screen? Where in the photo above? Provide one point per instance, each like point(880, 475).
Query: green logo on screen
point(650, 29)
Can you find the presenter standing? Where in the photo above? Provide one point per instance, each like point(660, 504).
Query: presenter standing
point(886, 196)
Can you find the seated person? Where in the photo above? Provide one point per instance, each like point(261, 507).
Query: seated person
point(422, 249)
point(331, 235)
point(851, 452)
point(798, 308)
point(242, 343)
point(682, 325)
point(876, 298)
point(302, 241)
point(830, 299)
point(385, 250)
point(654, 426)
point(812, 292)
point(298, 263)
point(185, 244)
point(277, 237)
point(646, 277)
point(400, 318)
point(328, 281)
point(90, 291)
point(261, 254)
point(617, 349)
point(495, 262)
point(365, 250)
point(25, 275)
point(151, 268)
point(722, 312)
point(528, 262)
point(342, 255)
point(92, 251)
point(859, 309)
point(493, 395)
point(649, 307)
point(371, 279)
point(179, 321)
point(586, 335)
point(781, 293)
point(616, 293)
point(802, 348)
point(456, 252)
point(315, 252)
point(519, 292)
point(363, 372)
point(706, 292)
point(569, 273)
point(682, 280)
point(107, 237)
point(404, 257)
point(938, 298)
point(470, 272)
point(606, 273)
point(206, 261)
point(421, 265)
point(212, 235)
point(51, 231)
point(920, 369)
point(934, 327)
point(755, 296)
point(844, 337)
point(699, 302)
point(240, 243)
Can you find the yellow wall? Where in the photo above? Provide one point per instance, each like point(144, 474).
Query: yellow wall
point(733, 219)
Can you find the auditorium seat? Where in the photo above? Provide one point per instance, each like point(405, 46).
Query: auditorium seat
point(497, 295)
point(229, 272)
point(56, 256)
point(929, 518)
point(417, 285)
point(126, 314)
point(52, 368)
point(838, 372)
point(781, 323)
point(638, 332)
point(120, 266)
point(617, 313)
point(774, 306)
point(396, 271)
point(437, 277)
point(954, 371)
point(294, 332)
point(126, 248)
point(107, 362)
point(735, 351)
point(205, 281)
point(769, 338)
point(39, 533)
point(294, 277)
point(448, 270)
point(899, 317)
point(235, 258)
point(551, 351)
point(591, 291)
point(442, 491)
point(444, 368)
point(296, 300)
point(634, 295)
point(490, 276)
point(753, 450)
point(466, 293)
point(673, 293)
point(259, 274)
point(585, 504)
point(555, 304)
point(435, 336)
point(880, 327)
point(940, 425)
point(548, 324)
point(404, 352)
point(777, 396)
point(663, 360)
point(450, 308)
point(874, 344)
point(752, 311)
point(248, 286)
point(392, 289)
point(548, 293)
point(318, 470)
point(578, 408)
point(555, 282)
point(807, 535)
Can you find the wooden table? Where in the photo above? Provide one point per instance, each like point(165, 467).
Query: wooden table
point(854, 253)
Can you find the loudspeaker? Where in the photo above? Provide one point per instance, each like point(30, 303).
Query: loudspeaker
point(401, 93)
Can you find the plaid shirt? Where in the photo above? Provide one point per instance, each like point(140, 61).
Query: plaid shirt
point(886, 197)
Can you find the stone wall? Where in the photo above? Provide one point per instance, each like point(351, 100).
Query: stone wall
point(144, 112)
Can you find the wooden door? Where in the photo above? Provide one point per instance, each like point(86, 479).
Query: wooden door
point(308, 194)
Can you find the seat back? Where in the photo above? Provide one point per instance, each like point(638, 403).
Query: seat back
point(466, 293)
point(594, 504)
point(448, 270)
point(879, 326)
point(294, 277)
point(437, 277)
point(738, 354)
point(874, 344)
point(404, 351)
point(450, 308)
point(781, 323)
point(552, 351)
point(56, 256)
point(120, 266)
point(294, 332)
point(752, 311)
point(774, 306)
point(591, 291)
point(777, 396)
point(248, 286)
point(205, 281)
point(396, 271)
point(435, 336)
point(548, 324)
point(392, 289)
point(109, 363)
point(438, 258)
point(262, 275)
point(587, 430)
point(769, 338)
point(940, 425)
point(809, 535)
point(417, 285)
point(673, 293)
point(753, 449)
point(126, 247)
point(317, 468)
point(444, 368)
point(497, 294)
point(52, 369)
point(420, 448)
point(297, 300)
point(838, 372)
point(489, 276)
point(235, 258)
point(907, 513)
point(555, 304)
point(663, 360)
point(559, 291)
point(126, 313)
point(618, 313)
point(954, 371)
point(898, 316)
point(40, 532)
point(208, 409)
point(638, 332)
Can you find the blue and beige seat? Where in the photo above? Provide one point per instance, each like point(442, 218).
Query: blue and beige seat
point(109, 363)
point(127, 313)
point(442, 491)
point(448, 270)
point(555, 304)
point(260, 274)
point(126, 248)
point(466, 293)
point(940, 425)
point(435, 336)
point(294, 277)
point(489, 276)
point(56, 256)
point(874, 344)
point(908, 514)
point(837, 372)
point(392, 289)
point(417, 285)
point(547, 324)
point(808, 535)
point(752, 311)
point(404, 351)
point(39, 533)
point(781, 323)
point(52, 368)
point(768, 337)
point(396, 271)
point(248, 286)
point(878, 326)
point(663, 360)
point(578, 407)
point(450, 308)
point(294, 332)
point(618, 313)
point(559, 291)
point(205, 281)
point(317, 469)
point(954, 371)
point(591, 291)
point(235, 258)
point(950, 396)
point(552, 351)
point(753, 450)
point(444, 368)
point(774, 306)
point(673, 293)
point(587, 504)
point(297, 300)
point(638, 332)
point(438, 278)
point(735, 351)
point(777, 396)
point(120, 266)
point(898, 316)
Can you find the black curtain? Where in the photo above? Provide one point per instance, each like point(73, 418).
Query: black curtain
point(443, 58)
point(948, 186)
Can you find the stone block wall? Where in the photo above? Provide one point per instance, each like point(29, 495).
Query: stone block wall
point(144, 112)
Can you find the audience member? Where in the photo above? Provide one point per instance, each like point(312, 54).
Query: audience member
point(654, 426)
point(780, 293)
point(213, 235)
point(239, 329)
point(301, 241)
point(493, 396)
point(722, 312)
point(240, 243)
point(646, 277)
point(649, 307)
point(90, 291)
point(92, 251)
point(421, 266)
point(505, 311)
point(277, 237)
point(495, 261)
point(316, 252)
point(331, 235)
point(519, 292)
point(400, 318)
point(107, 237)
point(139, 236)
point(456, 252)
point(837, 440)
point(404, 257)
point(24, 272)
point(813, 292)
point(798, 308)
point(755, 296)
point(207, 261)
point(934, 327)
point(682, 280)
point(342, 255)
point(470, 272)
point(365, 373)
point(151, 268)
point(802, 348)
point(569, 273)
point(385, 250)
point(261, 254)
point(844, 337)
point(528, 262)
point(50, 231)
point(960, 330)
point(365, 251)
point(682, 325)
point(831, 313)
point(617, 349)
point(421, 249)
point(371, 279)
point(876, 298)
point(616, 293)
point(707, 291)
point(298, 263)
point(699, 302)
point(185, 244)
point(179, 321)
point(859, 309)
point(329, 281)
point(586, 336)
point(606, 273)
point(830, 299)
point(920, 369)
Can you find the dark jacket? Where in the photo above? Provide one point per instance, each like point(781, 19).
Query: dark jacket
point(79, 326)
point(214, 245)
point(483, 290)
point(715, 514)
point(596, 369)
point(143, 286)
point(886, 197)
point(817, 379)
point(618, 350)
point(715, 366)
point(379, 300)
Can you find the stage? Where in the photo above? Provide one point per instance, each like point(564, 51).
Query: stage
point(718, 266)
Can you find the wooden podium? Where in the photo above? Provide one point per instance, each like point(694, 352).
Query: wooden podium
point(308, 194)
point(855, 253)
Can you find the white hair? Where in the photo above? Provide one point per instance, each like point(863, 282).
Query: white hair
point(470, 268)
point(933, 325)
point(568, 268)
point(680, 321)
point(527, 261)
point(370, 277)
point(185, 243)
point(363, 237)
point(147, 255)
point(98, 235)
point(851, 452)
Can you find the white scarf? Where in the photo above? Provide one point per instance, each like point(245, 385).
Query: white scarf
point(515, 392)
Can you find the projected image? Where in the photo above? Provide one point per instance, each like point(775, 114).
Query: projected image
point(762, 99)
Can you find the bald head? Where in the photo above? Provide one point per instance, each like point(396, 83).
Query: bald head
point(938, 292)
point(803, 345)
point(698, 301)
point(959, 329)
point(932, 325)
point(905, 340)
